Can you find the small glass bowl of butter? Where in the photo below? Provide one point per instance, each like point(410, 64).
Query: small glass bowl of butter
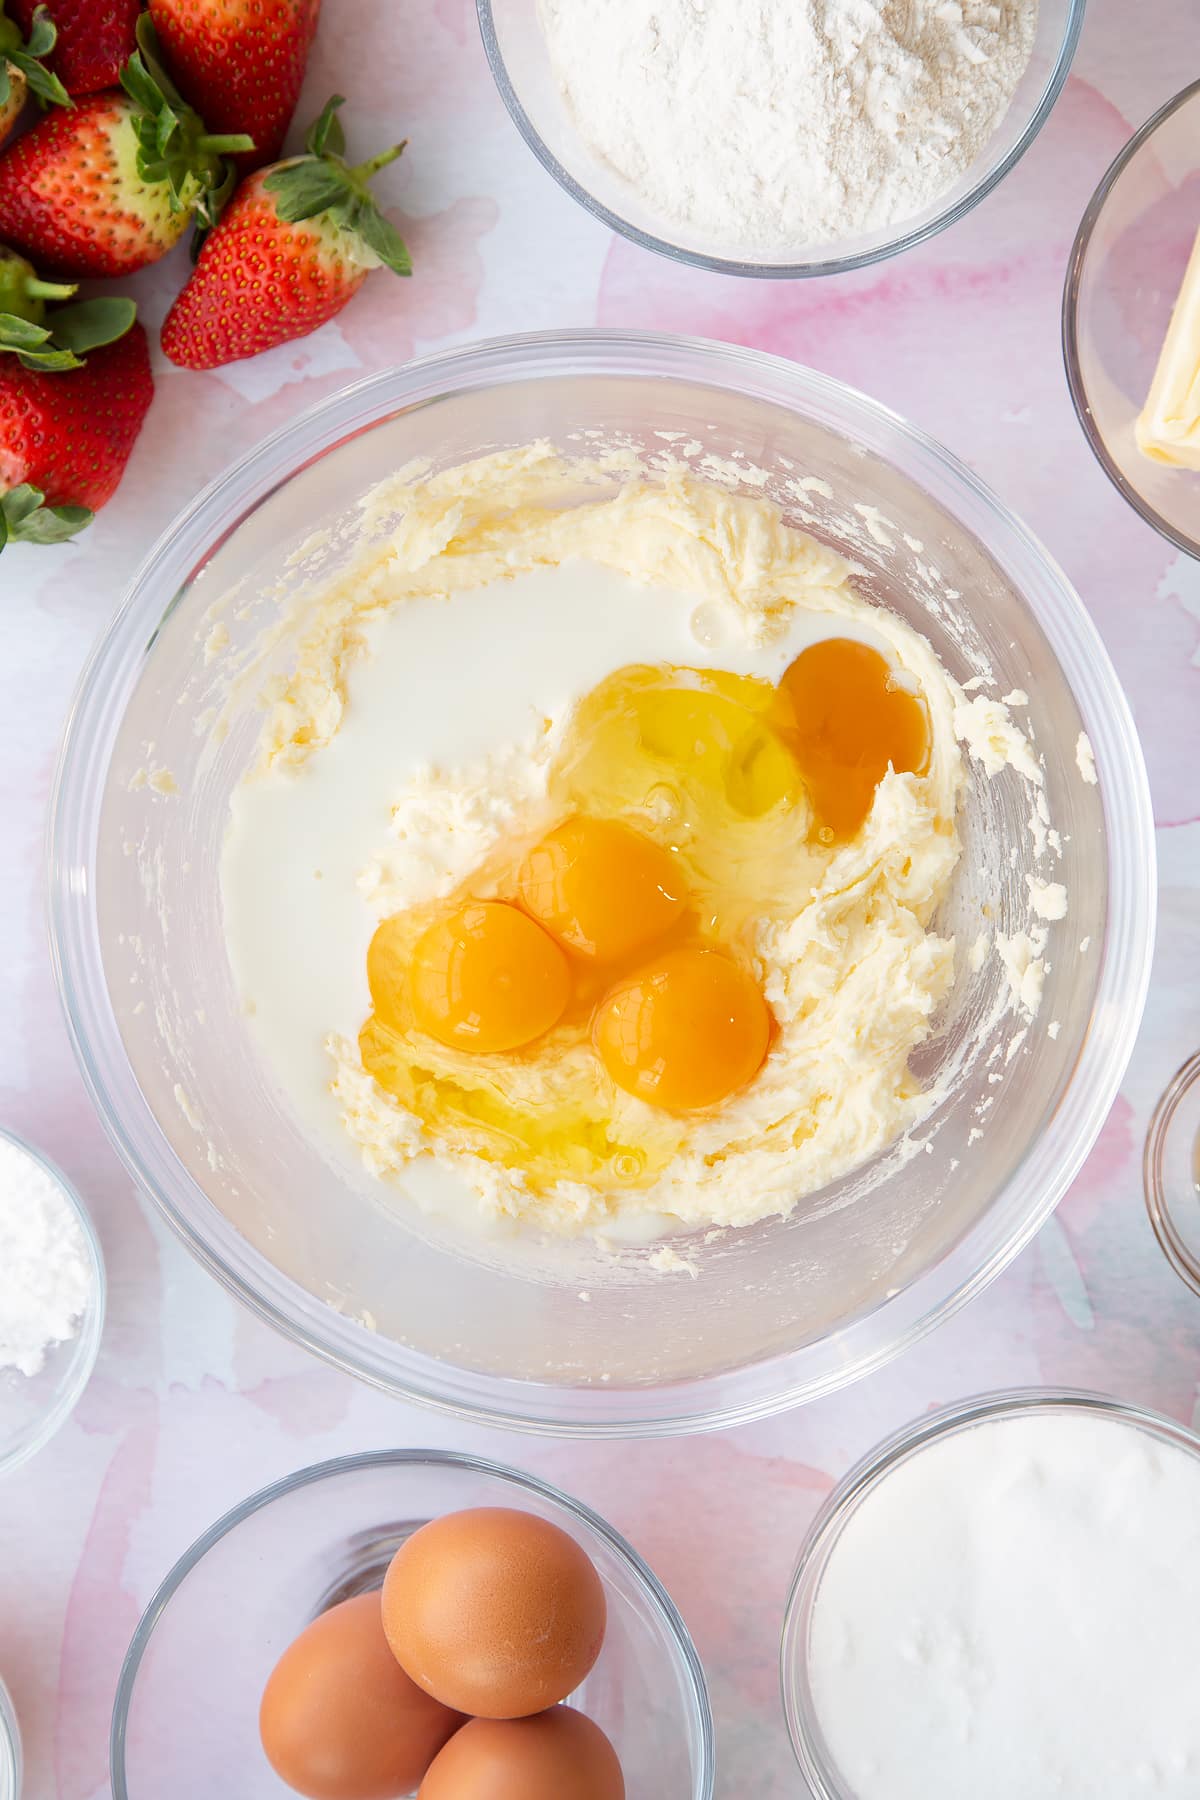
point(1131, 321)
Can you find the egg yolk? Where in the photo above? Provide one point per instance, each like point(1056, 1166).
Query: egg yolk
point(845, 720)
point(684, 1031)
point(483, 978)
point(601, 889)
point(689, 805)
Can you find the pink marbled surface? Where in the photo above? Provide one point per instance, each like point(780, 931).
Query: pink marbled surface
point(194, 1404)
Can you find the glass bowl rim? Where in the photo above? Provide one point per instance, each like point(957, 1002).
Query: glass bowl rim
point(766, 1385)
point(646, 1581)
point(85, 1347)
point(12, 1765)
point(1158, 1204)
point(869, 1472)
point(1073, 282)
point(797, 271)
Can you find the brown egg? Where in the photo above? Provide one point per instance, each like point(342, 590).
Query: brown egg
point(494, 1612)
point(340, 1720)
point(555, 1755)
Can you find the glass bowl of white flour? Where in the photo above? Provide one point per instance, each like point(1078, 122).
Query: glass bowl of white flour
point(1003, 1599)
point(52, 1289)
point(785, 137)
point(1050, 909)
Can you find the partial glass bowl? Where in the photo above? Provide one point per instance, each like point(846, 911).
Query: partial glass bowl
point(10, 1748)
point(1123, 278)
point(780, 1311)
point(817, 1764)
point(33, 1407)
point(516, 49)
point(185, 1719)
point(1171, 1172)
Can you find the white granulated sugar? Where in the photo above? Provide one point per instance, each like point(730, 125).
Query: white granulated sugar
point(1013, 1613)
point(45, 1270)
point(772, 125)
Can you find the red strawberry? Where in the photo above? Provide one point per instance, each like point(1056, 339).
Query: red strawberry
point(67, 426)
point(95, 39)
point(23, 68)
point(240, 62)
point(110, 185)
point(295, 243)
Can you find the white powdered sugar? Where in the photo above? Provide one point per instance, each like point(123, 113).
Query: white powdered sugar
point(45, 1270)
point(770, 125)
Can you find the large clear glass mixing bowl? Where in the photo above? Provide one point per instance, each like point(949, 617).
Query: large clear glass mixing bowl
point(780, 1311)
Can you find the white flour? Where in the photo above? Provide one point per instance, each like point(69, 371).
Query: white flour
point(770, 125)
point(45, 1271)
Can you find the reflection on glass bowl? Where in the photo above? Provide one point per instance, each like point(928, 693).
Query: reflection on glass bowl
point(1124, 275)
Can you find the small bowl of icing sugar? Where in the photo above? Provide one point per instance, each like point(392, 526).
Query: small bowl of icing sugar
point(1002, 1601)
point(51, 1301)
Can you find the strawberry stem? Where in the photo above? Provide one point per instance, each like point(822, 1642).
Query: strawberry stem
point(365, 170)
point(231, 144)
point(48, 290)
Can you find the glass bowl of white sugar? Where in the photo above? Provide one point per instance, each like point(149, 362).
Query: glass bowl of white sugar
point(788, 138)
point(52, 1290)
point(1004, 1599)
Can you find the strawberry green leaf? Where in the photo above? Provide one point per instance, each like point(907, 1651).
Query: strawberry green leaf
point(25, 518)
point(54, 524)
point(326, 133)
point(48, 361)
point(165, 127)
point(19, 502)
point(33, 345)
point(21, 334)
point(149, 55)
point(211, 203)
point(90, 324)
point(172, 145)
point(303, 189)
point(26, 57)
point(71, 331)
point(384, 239)
point(43, 84)
point(324, 183)
point(141, 86)
point(43, 34)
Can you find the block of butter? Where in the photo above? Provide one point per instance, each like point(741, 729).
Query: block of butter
point(1168, 428)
